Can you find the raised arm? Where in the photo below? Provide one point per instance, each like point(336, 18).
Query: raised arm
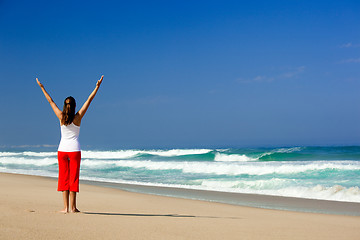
point(86, 105)
point(56, 110)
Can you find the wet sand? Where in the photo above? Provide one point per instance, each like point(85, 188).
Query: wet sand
point(243, 199)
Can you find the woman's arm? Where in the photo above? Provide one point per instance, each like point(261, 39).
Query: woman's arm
point(86, 105)
point(49, 99)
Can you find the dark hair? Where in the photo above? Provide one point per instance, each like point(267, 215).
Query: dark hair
point(68, 112)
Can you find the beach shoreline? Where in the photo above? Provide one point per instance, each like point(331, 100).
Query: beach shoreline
point(29, 204)
point(241, 199)
point(233, 198)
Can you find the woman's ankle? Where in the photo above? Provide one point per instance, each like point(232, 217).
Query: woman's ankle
point(75, 210)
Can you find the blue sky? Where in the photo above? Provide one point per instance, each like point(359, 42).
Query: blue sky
point(183, 73)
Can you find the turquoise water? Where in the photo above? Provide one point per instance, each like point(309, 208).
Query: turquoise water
point(331, 173)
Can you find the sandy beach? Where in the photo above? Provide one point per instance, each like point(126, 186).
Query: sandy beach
point(29, 207)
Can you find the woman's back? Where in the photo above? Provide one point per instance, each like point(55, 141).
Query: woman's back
point(69, 138)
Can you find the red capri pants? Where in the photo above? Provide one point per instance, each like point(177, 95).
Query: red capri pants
point(69, 169)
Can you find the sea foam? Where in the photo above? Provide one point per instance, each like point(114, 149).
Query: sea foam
point(22, 161)
point(220, 157)
point(125, 154)
point(227, 168)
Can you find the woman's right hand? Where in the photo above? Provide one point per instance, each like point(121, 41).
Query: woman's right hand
point(39, 83)
point(99, 81)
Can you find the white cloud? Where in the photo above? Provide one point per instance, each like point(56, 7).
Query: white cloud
point(351, 60)
point(263, 79)
point(346, 45)
point(293, 73)
point(256, 79)
point(350, 45)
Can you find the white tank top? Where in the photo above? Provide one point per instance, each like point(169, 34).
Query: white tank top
point(69, 138)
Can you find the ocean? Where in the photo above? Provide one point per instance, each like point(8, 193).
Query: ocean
point(327, 173)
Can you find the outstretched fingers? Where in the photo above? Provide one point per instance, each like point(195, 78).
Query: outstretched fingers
point(99, 81)
point(38, 82)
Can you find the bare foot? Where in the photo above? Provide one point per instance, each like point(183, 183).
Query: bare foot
point(63, 211)
point(75, 210)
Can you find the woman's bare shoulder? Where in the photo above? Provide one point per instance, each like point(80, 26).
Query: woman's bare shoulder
point(77, 119)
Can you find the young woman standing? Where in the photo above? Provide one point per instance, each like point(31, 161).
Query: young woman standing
point(69, 152)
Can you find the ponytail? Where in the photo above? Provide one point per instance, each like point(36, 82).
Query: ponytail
point(68, 113)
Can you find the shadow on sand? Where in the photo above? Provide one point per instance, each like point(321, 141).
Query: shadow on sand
point(152, 215)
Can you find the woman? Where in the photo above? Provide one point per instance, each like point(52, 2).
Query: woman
point(69, 152)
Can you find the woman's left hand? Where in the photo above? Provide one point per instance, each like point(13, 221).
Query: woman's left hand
point(99, 81)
